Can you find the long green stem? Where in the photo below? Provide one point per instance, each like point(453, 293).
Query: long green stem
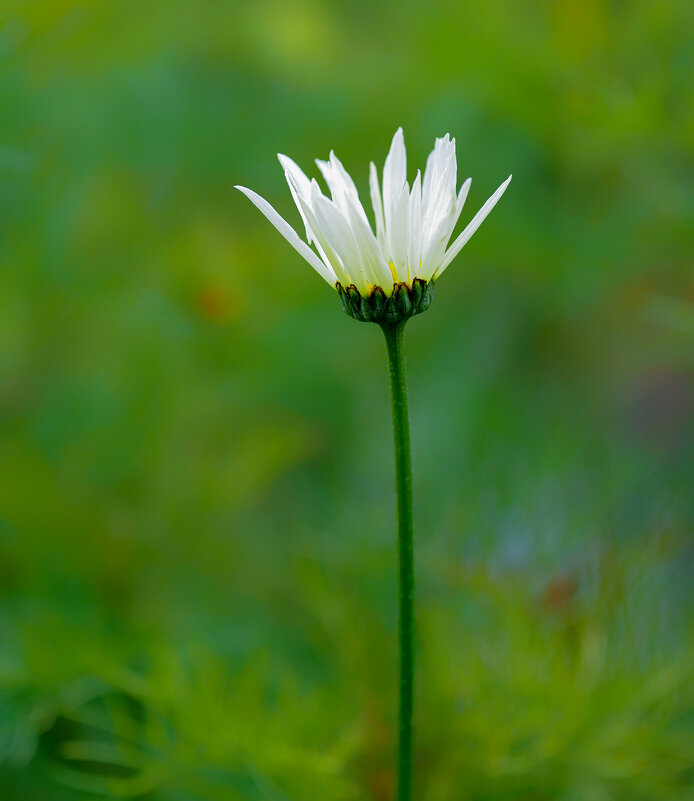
point(395, 334)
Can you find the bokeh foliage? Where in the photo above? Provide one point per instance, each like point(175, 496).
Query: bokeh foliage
point(196, 534)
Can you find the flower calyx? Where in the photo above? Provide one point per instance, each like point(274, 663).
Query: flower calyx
point(405, 301)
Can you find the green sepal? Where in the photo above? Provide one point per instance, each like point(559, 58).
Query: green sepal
point(378, 302)
point(418, 287)
point(427, 296)
point(404, 302)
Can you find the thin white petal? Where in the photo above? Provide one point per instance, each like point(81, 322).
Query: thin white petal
point(438, 186)
point(462, 196)
point(377, 270)
point(394, 175)
point(299, 186)
point(377, 202)
point(289, 234)
point(326, 171)
point(323, 246)
point(472, 226)
point(396, 232)
point(340, 235)
point(434, 248)
point(301, 180)
point(341, 176)
point(342, 189)
point(437, 161)
point(346, 199)
point(414, 229)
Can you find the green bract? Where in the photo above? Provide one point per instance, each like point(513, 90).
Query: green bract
point(405, 301)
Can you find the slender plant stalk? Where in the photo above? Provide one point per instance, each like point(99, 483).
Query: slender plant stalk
point(395, 335)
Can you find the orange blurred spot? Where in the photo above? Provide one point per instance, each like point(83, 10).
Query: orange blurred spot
point(559, 593)
point(214, 303)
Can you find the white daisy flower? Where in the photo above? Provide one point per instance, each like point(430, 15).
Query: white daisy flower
point(393, 268)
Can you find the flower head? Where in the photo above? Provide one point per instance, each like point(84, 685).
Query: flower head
point(387, 274)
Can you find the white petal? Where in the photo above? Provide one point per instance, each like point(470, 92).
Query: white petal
point(339, 233)
point(323, 246)
point(299, 186)
point(440, 175)
point(342, 189)
point(432, 253)
point(377, 202)
point(396, 232)
point(472, 226)
point(327, 173)
point(435, 241)
point(289, 234)
point(414, 229)
point(341, 176)
point(394, 175)
point(346, 199)
point(300, 178)
point(376, 267)
point(462, 196)
point(438, 162)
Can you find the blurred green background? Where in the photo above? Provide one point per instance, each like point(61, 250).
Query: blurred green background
point(197, 567)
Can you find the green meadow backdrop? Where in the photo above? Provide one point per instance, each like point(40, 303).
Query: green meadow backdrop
point(197, 565)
